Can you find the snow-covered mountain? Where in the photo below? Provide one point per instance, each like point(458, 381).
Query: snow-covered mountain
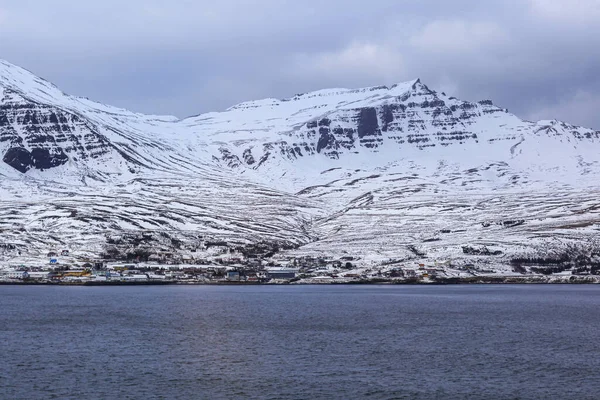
point(376, 172)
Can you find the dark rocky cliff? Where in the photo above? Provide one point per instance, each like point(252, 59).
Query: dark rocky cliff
point(43, 137)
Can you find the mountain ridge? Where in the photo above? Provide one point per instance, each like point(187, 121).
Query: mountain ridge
point(375, 170)
point(406, 113)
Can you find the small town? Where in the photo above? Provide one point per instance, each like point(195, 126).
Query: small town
point(61, 267)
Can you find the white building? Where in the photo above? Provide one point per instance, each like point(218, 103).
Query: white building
point(136, 277)
point(13, 274)
point(39, 274)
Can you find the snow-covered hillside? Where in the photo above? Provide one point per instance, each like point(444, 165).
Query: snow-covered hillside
point(377, 172)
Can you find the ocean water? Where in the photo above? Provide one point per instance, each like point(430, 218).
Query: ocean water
point(300, 342)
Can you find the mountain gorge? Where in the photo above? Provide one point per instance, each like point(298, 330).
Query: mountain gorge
point(383, 174)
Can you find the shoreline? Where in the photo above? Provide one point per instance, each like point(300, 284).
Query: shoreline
point(480, 280)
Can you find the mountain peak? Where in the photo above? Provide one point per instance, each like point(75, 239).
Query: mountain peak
point(333, 97)
point(333, 124)
point(22, 81)
point(36, 89)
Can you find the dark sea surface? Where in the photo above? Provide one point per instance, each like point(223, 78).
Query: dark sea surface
point(300, 342)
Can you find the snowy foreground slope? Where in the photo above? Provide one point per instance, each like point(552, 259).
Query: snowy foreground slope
point(385, 175)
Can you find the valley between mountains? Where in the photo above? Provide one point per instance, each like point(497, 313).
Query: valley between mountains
point(357, 182)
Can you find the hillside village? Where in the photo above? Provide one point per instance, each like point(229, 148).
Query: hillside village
point(227, 267)
point(217, 262)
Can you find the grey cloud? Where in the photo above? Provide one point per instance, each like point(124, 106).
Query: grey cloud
point(537, 58)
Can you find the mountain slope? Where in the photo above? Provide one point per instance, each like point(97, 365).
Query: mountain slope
point(374, 171)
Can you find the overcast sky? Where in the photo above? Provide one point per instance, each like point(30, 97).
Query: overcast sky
point(538, 58)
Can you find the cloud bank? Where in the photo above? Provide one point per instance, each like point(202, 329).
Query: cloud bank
point(539, 58)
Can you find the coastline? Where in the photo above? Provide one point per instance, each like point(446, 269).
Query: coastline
point(479, 280)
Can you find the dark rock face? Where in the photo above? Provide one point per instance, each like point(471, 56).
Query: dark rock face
point(23, 160)
point(326, 139)
point(18, 158)
point(52, 134)
point(231, 159)
point(418, 118)
point(367, 123)
point(248, 157)
point(387, 116)
point(368, 130)
point(44, 159)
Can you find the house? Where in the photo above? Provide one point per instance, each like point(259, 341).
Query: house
point(136, 278)
point(282, 273)
point(233, 276)
point(115, 276)
point(16, 274)
point(39, 274)
point(177, 275)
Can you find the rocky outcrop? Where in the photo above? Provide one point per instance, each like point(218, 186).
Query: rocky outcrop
point(23, 160)
point(43, 137)
point(419, 118)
